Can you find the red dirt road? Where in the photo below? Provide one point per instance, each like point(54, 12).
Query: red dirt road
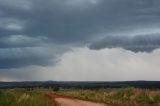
point(65, 101)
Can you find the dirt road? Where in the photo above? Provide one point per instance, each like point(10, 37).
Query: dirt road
point(65, 101)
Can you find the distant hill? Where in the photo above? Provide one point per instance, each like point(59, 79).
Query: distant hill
point(85, 85)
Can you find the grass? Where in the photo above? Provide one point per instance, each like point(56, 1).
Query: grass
point(111, 97)
point(19, 97)
point(116, 97)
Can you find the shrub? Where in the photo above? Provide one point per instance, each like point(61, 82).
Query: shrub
point(56, 89)
point(157, 98)
point(123, 94)
point(144, 97)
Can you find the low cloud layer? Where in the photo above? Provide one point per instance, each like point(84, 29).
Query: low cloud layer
point(36, 33)
point(15, 58)
point(139, 43)
point(20, 41)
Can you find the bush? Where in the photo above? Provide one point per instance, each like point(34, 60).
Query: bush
point(157, 98)
point(56, 89)
point(143, 97)
point(123, 94)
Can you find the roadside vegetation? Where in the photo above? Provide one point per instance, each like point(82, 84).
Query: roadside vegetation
point(111, 97)
point(22, 97)
point(116, 97)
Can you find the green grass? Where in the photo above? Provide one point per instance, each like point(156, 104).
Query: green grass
point(19, 97)
point(116, 97)
point(123, 94)
point(111, 97)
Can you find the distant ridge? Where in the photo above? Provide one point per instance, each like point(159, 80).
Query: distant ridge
point(80, 84)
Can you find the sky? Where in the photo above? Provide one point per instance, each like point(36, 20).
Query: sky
point(79, 40)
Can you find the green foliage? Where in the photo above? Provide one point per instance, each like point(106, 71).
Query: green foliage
point(56, 89)
point(116, 97)
point(23, 98)
point(123, 94)
point(157, 98)
point(145, 98)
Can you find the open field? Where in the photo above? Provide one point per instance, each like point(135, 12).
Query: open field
point(59, 97)
point(116, 97)
point(22, 97)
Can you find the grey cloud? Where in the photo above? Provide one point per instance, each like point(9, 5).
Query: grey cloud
point(17, 41)
point(11, 24)
point(67, 22)
point(138, 43)
point(22, 4)
point(22, 57)
point(64, 24)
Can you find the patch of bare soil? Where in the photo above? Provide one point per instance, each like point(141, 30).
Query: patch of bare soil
point(65, 101)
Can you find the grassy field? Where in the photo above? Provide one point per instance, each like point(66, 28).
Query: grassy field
point(116, 97)
point(22, 97)
point(111, 97)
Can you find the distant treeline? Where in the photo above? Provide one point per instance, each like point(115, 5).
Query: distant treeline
point(83, 85)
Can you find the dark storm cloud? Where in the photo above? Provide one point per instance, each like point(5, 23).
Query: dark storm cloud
point(139, 43)
point(25, 61)
point(33, 23)
point(22, 57)
point(67, 21)
point(17, 41)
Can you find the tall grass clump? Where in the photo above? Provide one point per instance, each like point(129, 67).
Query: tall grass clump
point(123, 94)
point(23, 98)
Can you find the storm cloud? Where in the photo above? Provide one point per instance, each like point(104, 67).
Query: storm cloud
point(16, 57)
point(139, 43)
point(39, 32)
point(67, 21)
